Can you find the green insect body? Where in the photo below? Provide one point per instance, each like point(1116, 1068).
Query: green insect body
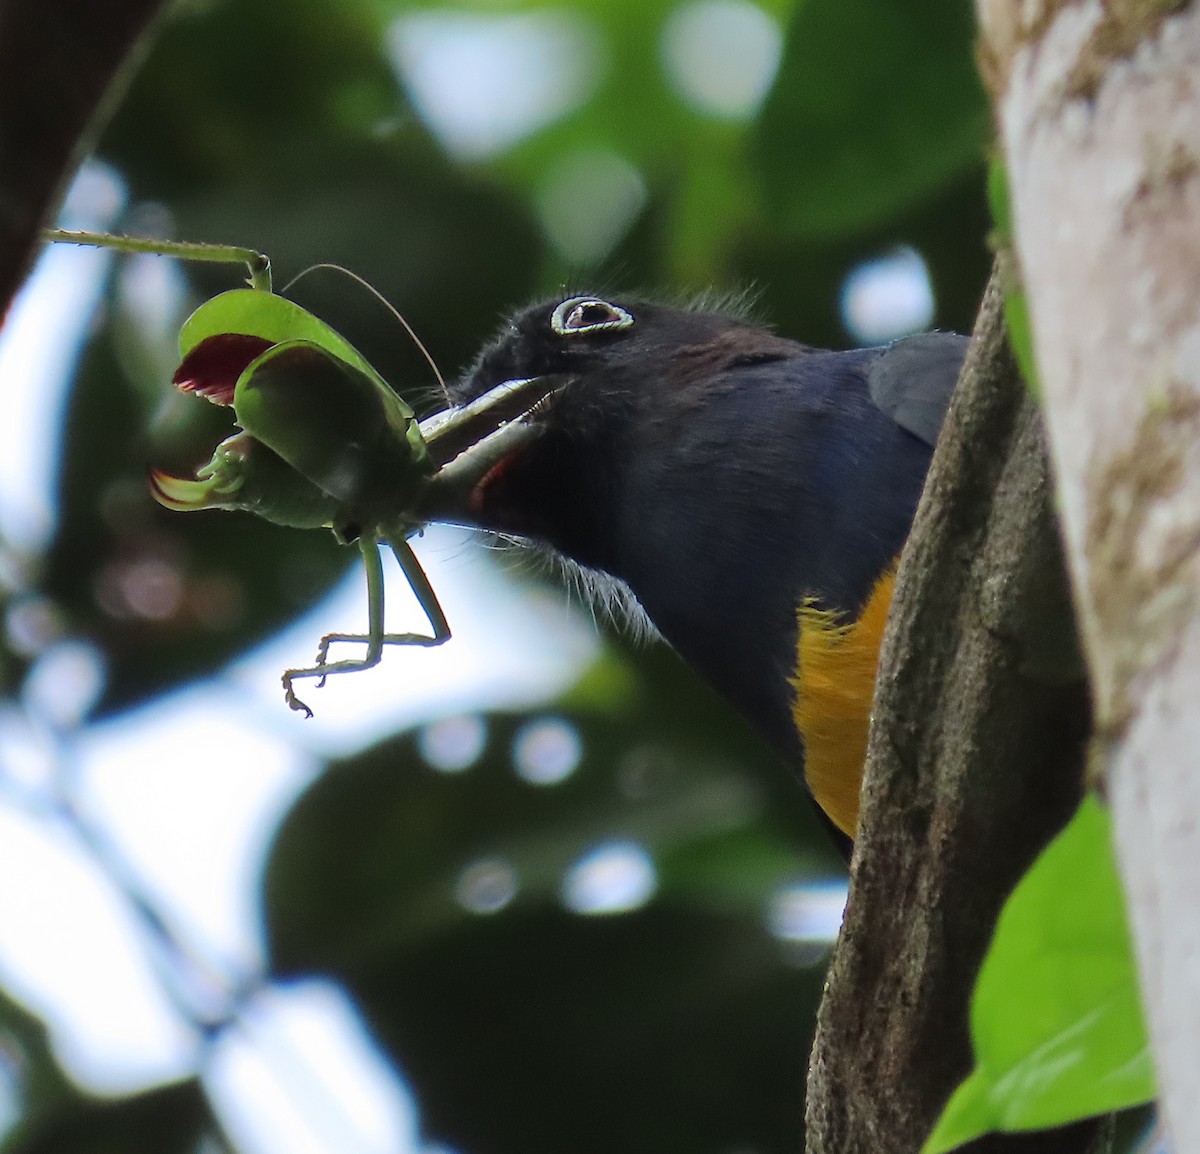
point(324, 441)
point(301, 390)
point(352, 452)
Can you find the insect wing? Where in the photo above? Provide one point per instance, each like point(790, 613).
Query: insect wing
point(335, 425)
point(274, 319)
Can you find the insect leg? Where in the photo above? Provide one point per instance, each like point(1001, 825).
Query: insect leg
point(369, 548)
point(425, 595)
point(426, 598)
point(375, 639)
point(258, 266)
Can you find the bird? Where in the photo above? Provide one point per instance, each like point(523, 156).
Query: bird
point(750, 492)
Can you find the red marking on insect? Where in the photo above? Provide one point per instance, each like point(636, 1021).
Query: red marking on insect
point(212, 368)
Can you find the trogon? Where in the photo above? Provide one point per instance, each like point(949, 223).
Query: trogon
point(752, 493)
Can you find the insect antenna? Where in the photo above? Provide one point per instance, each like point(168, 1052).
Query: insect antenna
point(387, 304)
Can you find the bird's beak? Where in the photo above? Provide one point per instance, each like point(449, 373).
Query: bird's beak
point(469, 441)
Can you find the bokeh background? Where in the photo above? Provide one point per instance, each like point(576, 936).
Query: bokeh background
point(537, 890)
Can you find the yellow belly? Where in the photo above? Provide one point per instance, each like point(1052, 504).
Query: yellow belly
point(836, 663)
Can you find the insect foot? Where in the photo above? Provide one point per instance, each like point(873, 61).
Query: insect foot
point(289, 692)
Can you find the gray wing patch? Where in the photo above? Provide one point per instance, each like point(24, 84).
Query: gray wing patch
point(911, 380)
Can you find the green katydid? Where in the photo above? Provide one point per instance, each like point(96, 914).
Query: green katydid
point(324, 441)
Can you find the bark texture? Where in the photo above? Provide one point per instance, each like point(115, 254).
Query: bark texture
point(975, 762)
point(1099, 109)
point(58, 63)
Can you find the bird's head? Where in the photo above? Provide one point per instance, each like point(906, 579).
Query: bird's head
point(631, 374)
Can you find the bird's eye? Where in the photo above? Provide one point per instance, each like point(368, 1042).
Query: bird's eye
point(588, 315)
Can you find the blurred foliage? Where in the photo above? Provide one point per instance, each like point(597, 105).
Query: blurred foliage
point(282, 125)
point(682, 1026)
point(56, 1119)
point(174, 1119)
point(891, 80)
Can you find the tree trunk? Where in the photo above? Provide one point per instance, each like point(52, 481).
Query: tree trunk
point(975, 762)
point(1099, 110)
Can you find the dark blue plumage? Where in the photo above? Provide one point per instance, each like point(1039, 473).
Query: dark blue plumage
point(722, 472)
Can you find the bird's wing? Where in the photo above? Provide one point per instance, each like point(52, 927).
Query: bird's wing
point(911, 380)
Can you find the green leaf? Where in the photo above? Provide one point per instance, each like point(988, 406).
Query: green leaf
point(877, 105)
point(1020, 332)
point(998, 196)
point(1056, 1019)
point(1016, 307)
